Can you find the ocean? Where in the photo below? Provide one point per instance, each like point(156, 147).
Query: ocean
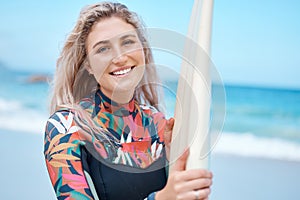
point(259, 122)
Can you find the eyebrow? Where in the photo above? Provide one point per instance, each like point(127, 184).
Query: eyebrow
point(107, 41)
point(101, 42)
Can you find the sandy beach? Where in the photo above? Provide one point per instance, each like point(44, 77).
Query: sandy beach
point(23, 171)
point(24, 175)
point(244, 178)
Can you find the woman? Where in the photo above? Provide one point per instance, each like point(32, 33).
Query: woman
point(106, 138)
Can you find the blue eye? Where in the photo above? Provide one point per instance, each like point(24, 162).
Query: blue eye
point(103, 49)
point(128, 42)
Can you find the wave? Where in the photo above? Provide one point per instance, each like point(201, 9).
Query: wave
point(16, 117)
point(248, 145)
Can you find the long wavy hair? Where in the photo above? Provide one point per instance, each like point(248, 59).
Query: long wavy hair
point(72, 81)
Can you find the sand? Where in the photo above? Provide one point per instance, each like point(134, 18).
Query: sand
point(244, 178)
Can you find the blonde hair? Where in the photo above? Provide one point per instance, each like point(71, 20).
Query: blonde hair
point(72, 81)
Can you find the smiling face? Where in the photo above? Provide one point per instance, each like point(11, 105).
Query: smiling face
point(116, 58)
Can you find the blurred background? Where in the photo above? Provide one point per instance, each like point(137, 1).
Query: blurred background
point(255, 48)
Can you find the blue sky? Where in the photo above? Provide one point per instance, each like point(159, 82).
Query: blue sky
point(253, 43)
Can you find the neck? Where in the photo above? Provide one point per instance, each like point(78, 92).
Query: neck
point(121, 97)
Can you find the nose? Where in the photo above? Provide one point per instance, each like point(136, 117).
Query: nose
point(120, 59)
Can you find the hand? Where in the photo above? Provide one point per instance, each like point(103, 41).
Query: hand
point(185, 184)
point(168, 135)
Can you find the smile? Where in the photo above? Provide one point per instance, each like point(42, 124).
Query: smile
point(121, 71)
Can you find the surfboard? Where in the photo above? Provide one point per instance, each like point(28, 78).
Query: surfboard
point(192, 111)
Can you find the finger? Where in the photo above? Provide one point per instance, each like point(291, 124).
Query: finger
point(169, 124)
point(192, 174)
point(168, 131)
point(192, 194)
point(200, 194)
point(196, 184)
point(180, 164)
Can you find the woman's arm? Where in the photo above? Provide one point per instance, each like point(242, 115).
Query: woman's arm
point(63, 157)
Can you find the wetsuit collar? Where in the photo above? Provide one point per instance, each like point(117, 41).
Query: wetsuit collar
point(105, 104)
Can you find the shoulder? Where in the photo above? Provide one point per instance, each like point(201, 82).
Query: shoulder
point(61, 132)
point(62, 121)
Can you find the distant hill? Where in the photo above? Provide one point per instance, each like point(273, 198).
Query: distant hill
point(38, 78)
point(23, 75)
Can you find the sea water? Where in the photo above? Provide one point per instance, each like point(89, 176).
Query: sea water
point(261, 122)
point(23, 105)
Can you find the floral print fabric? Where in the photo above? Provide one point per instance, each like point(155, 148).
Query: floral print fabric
point(136, 133)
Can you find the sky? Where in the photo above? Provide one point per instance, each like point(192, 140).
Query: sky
point(253, 43)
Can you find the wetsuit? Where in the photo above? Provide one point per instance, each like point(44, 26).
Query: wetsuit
point(125, 160)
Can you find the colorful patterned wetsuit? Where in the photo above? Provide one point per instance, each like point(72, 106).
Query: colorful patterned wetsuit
point(93, 166)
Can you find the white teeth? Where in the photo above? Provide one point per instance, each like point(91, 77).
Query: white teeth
point(121, 72)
